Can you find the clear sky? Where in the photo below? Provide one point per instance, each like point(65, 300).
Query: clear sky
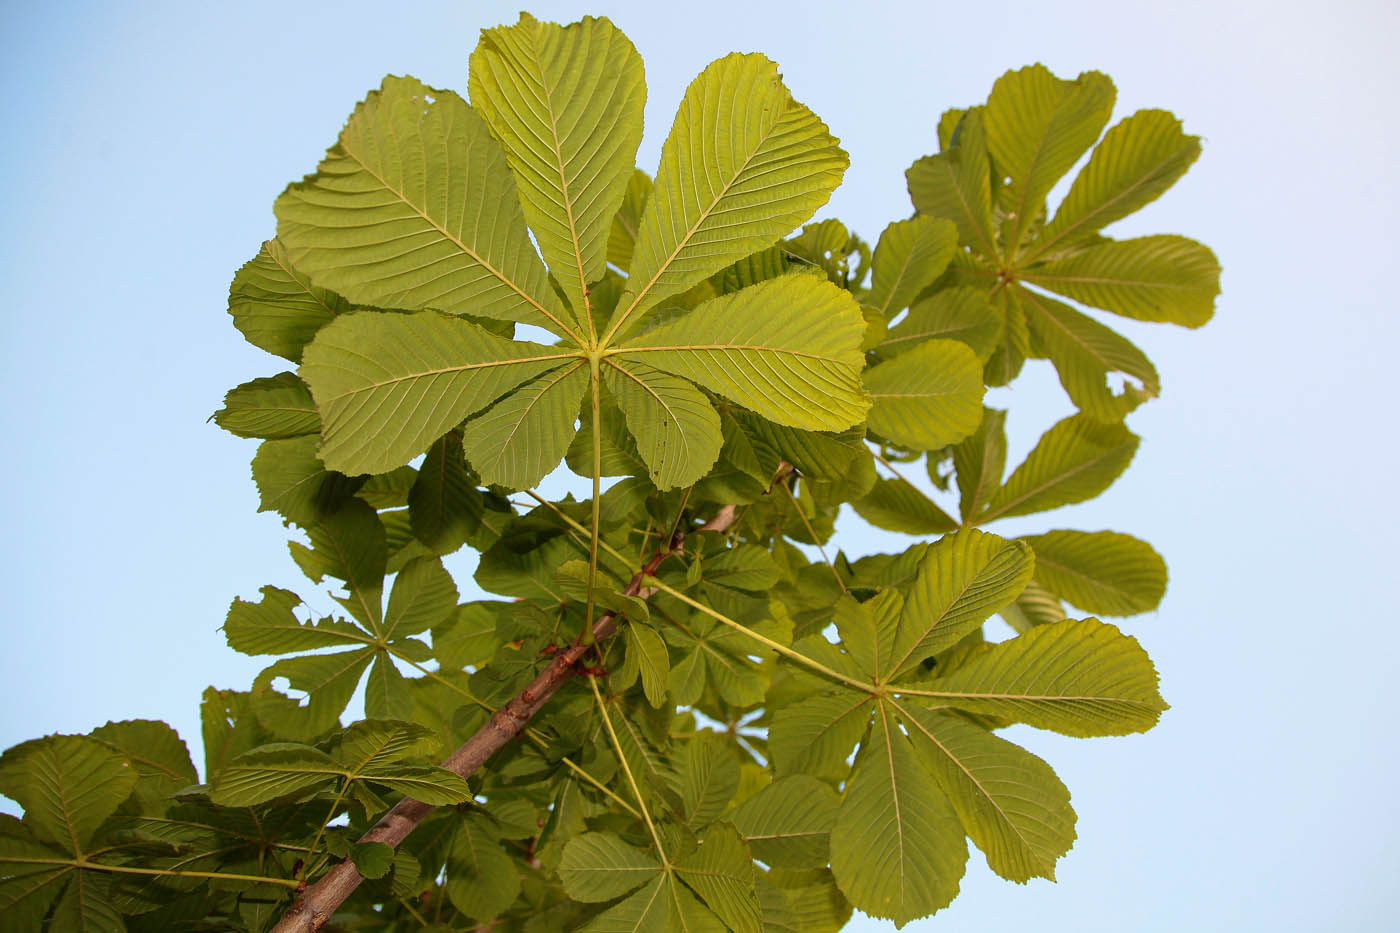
point(144, 144)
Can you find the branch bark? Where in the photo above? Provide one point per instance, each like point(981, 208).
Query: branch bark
point(313, 909)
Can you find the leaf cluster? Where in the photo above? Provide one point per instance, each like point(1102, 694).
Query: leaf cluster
point(730, 723)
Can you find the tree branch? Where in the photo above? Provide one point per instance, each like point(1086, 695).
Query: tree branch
point(313, 909)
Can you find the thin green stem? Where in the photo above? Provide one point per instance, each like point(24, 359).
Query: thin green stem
point(568, 520)
point(769, 643)
point(409, 907)
point(321, 830)
point(172, 873)
point(815, 540)
point(596, 380)
point(627, 770)
point(952, 522)
point(607, 791)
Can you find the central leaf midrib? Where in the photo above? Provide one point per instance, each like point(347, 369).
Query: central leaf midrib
point(1058, 478)
point(424, 373)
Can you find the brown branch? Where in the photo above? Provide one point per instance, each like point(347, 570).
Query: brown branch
point(313, 909)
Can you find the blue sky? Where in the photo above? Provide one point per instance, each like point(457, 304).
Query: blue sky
point(145, 143)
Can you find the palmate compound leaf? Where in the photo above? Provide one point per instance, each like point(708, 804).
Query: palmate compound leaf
point(444, 506)
point(676, 428)
point(1101, 572)
point(897, 849)
point(425, 373)
point(1077, 677)
point(566, 103)
point(28, 886)
point(927, 398)
point(962, 579)
point(1037, 128)
point(415, 207)
point(1010, 802)
point(962, 313)
point(787, 348)
point(743, 165)
point(1075, 460)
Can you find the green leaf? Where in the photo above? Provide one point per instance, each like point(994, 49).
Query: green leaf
point(350, 545)
point(897, 505)
point(470, 638)
point(814, 736)
point(1035, 606)
point(414, 208)
point(869, 631)
point(598, 867)
point(721, 871)
point(292, 482)
point(1013, 343)
point(155, 750)
point(388, 385)
point(723, 194)
point(269, 626)
point(927, 398)
point(566, 103)
point(371, 743)
point(709, 776)
point(746, 567)
point(950, 313)
point(444, 507)
point(622, 237)
point(68, 786)
point(1151, 278)
point(652, 658)
point(676, 428)
point(1101, 572)
point(963, 579)
point(1037, 128)
point(979, 462)
point(423, 595)
point(1009, 801)
point(1081, 678)
point(276, 307)
point(432, 785)
point(1138, 159)
point(278, 406)
point(271, 771)
point(956, 184)
point(647, 911)
point(372, 859)
point(1085, 352)
point(521, 439)
point(87, 906)
point(910, 255)
point(817, 455)
point(1075, 460)
point(482, 881)
point(788, 823)
point(788, 348)
point(386, 690)
point(27, 889)
point(897, 849)
point(329, 680)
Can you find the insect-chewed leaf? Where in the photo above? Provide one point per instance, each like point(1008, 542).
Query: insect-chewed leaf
point(1037, 128)
point(599, 866)
point(788, 348)
point(388, 385)
point(744, 164)
point(962, 580)
point(676, 428)
point(415, 207)
point(910, 255)
point(1081, 678)
point(566, 103)
point(1151, 278)
point(1085, 352)
point(1137, 159)
point(519, 440)
point(1075, 460)
point(1010, 802)
point(897, 849)
point(269, 626)
point(927, 398)
point(1102, 572)
point(276, 307)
